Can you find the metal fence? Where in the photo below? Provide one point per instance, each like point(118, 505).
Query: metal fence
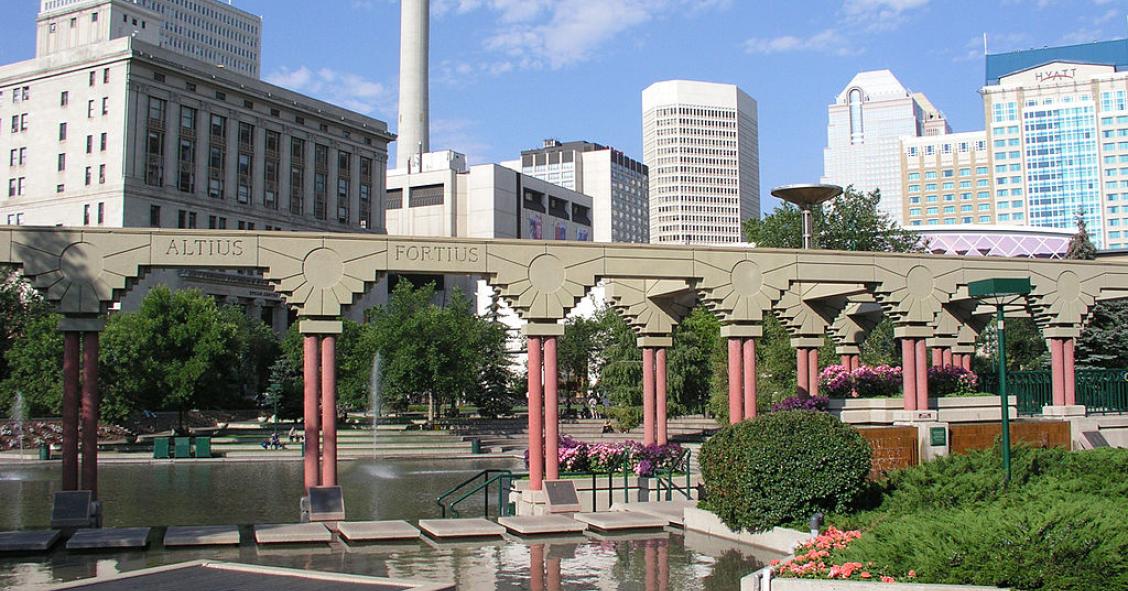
point(1100, 391)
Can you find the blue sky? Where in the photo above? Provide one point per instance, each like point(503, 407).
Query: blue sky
point(508, 73)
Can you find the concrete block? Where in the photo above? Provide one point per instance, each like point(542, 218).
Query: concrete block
point(620, 520)
point(460, 528)
point(202, 535)
point(111, 537)
point(293, 533)
point(781, 540)
point(375, 531)
point(28, 541)
point(672, 511)
point(541, 525)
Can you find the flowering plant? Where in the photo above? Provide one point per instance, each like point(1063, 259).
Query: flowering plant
point(839, 382)
point(812, 403)
point(814, 559)
point(951, 379)
point(644, 460)
point(836, 381)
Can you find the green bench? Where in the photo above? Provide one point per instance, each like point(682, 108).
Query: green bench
point(203, 447)
point(183, 447)
point(160, 448)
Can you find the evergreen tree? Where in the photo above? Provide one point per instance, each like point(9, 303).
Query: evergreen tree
point(1080, 246)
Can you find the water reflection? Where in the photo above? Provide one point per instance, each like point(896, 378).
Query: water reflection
point(660, 562)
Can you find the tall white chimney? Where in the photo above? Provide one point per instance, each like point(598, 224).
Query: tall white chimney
point(414, 135)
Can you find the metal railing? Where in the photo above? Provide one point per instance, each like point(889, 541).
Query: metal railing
point(1103, 391)
point(666, 482)
point(479, 482)
point(1100, 391)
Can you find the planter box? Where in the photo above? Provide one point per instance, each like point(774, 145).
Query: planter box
point(780, 540)
point(883, 411)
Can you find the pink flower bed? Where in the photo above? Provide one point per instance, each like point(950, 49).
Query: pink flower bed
point(865, 382)
point(815, 560)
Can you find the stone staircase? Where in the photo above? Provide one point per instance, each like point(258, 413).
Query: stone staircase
point(245, 442)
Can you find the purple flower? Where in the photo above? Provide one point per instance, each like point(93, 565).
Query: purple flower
point(813, 403)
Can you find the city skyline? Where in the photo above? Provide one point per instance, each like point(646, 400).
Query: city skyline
point(506, 75)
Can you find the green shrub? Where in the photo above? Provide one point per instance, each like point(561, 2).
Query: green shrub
point(783, 467)
point(1058, 525)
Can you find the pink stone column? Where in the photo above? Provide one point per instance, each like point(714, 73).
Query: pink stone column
point(844, 360)
point(70, 409)
point(813, 371)
point(967, 361)
point(802, 374)
point(735, 404)
point(660, 395)
point(551, 412)
point(1057, 370)
point(855, 361)
point(947, 356)
point(1068, 346)
point(90, 403)
point(329, 410)
point(908, 373)
point(921, 375)
point(648, 414)
point(536, 424)
point(310, 378)
point(650, 570)
point(749, 371)
point(552, 574)
point(663, 565)
point(937, 357)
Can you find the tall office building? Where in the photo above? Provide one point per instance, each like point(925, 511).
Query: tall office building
point(700, 142)
point(617, 184)
point(1059, 135)
point(124, 133)
point(207, 30)
point(866, 123)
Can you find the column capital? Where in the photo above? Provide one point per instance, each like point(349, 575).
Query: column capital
point(848, 350)
point(806, 342)
point(649, 341)
point(312, 326)
point(941, 342)
point(742, 331)
point(1061, 332)
point(82, 324)
point(913, 332)
point(537, 329)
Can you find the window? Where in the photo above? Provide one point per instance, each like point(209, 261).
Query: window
point(101, 174)
point(89, 144)
point(62, 162)
point(106, 71)
point(102, 142)
point(157, 109)
point(62, 131)
point(86, 214)
point(89, 176)
point(105, 105)
point(93, 77)
point(187, 118)
point(64, 98)
point(101, 213)
point(90, 108)
point(94, 17)
point(60, 188)
point(154, 216)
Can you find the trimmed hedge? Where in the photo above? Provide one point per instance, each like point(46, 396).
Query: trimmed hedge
point(781, 468)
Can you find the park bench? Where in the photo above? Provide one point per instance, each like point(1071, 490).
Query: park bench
point(160, 448)
point(183, 447)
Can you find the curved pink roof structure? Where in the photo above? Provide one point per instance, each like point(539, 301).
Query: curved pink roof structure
point(998, 241)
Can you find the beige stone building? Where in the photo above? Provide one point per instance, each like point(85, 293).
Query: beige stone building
point(946, 180)
point(125, 133)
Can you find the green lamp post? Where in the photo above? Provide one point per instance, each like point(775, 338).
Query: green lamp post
point(1001, 292)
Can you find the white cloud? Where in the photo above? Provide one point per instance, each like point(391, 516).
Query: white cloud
point(348, 90)
point(827, 41)
point(879, 15)
point(533, 34)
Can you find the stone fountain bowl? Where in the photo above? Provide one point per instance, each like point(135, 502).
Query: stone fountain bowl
point(807, 196)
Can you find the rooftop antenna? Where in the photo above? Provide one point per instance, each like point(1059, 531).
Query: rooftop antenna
point(984, 43)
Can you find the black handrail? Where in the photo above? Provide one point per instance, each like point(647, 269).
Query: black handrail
point(486, 474)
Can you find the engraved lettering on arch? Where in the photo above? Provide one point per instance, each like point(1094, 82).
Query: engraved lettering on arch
point(192, 247)
point(437, 253)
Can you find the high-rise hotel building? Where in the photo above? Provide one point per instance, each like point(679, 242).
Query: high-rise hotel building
point(700, 142)
point(1057, 124)
point(867, 122)
point(946, 180)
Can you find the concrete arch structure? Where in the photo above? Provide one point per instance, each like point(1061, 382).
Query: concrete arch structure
point(83, 271)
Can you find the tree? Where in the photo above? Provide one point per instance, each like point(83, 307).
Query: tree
point(494, 396)
point(179, 351)
point(851, 221)
point(691, 361)
point(576, 354)
point(620, 375)
point(430, 353)
point(35, 367)
point(20, 306)
point(1080, 246)
point(283, 396)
